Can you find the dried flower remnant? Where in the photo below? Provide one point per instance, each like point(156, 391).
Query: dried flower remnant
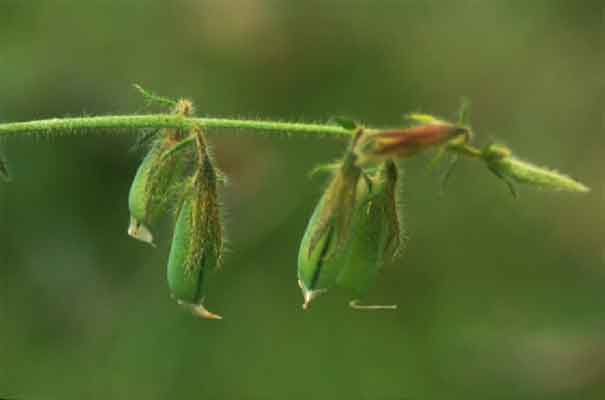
point(377, 147)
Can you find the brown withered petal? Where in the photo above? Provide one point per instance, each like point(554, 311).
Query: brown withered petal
point(403, 143)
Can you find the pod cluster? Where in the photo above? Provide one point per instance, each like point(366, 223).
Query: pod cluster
point(354, 230)
point(179, 173)
point(356, 226)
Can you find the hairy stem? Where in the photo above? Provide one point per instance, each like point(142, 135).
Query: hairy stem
point(499, 160)
point(62, 126)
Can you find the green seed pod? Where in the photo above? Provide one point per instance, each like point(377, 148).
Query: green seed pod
point(139, 199)
point(198, 242)
point(190, 260)
point(319, 268)
point(319, 256)
point(162, 168)
point(375, 236)
point(155, 185)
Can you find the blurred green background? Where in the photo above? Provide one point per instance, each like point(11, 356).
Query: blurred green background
point(498, 298)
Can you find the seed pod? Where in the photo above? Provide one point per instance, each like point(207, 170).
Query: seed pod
point(319, 254)
point(139, 199)
point(318, 269)
point(191, 259)
point(154, 187)
point(375, 236)
point(198, 242)
point(160, 172)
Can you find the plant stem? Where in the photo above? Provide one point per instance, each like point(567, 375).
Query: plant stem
point(501, 163)
point(61, 126)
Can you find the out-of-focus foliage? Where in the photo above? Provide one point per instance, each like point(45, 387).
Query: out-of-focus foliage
point(498, 298)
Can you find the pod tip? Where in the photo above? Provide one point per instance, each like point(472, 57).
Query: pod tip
point(199, 310)
point(140, 232)
point(309, 295)
point(307, 302)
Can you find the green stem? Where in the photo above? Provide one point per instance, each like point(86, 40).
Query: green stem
point(499, 161)
point(61, 126)
point(465, 149)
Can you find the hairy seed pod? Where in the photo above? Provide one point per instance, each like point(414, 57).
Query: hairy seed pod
point(160, 171)
point(154, 185)
point(320, 249)
point(375, 236)
point(191, 260)
point(198, 242)
point(318, 268)
point(139, 199)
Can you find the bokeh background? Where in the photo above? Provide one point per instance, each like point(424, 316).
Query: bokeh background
point(498, 298)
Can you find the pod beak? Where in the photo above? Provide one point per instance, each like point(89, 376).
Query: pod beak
point(309, 295)
point(199, 310)
point(140, 232)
